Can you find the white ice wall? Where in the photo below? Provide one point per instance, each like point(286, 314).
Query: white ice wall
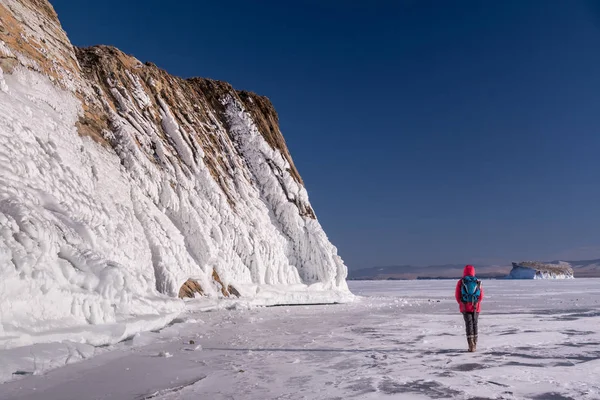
point(72, 252)
point(95, 242)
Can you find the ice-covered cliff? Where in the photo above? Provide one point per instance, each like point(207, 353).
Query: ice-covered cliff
point(539, 270)
point(123, 188)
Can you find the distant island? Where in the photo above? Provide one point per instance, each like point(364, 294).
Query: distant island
point(580, 269)
point(539, 270)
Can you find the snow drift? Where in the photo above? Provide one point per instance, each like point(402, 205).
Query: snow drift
point(119, 183)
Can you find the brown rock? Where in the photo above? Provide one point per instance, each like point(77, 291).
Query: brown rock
point(217, 279)
point(189, 289)
point(233, 291)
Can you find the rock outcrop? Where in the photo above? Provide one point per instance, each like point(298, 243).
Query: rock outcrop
point(539, 270)
point(123, 188)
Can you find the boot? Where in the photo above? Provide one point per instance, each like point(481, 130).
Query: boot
point(471, 342)
point(475, 343)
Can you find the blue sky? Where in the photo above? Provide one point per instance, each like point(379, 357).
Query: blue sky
point(427, 132)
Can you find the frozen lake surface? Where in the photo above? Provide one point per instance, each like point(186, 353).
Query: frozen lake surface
point(401, 340)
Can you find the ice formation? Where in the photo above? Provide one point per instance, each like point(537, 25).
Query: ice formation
point(119, 183)
point(539, 270)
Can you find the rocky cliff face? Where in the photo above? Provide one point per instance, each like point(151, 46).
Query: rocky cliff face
point(123, 187)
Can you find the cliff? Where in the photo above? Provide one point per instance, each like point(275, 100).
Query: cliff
point(123, 188)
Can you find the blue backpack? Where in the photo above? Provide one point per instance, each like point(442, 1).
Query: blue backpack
point(470, 291)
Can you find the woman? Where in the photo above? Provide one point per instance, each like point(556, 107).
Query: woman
point(469, 293)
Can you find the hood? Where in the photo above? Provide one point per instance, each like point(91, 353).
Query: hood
point(469, 271)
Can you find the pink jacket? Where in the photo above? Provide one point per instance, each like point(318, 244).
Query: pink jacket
point(468, 307)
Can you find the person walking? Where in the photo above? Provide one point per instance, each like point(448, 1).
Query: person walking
point(469, 294)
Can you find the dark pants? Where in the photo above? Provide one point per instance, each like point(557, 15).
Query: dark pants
point(471, 322)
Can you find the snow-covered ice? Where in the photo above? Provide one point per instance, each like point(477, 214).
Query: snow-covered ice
point(401, 340)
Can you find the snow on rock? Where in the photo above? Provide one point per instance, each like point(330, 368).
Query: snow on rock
point(120, 183)
point(539, 270)
point(33, 37)
point(282, 195)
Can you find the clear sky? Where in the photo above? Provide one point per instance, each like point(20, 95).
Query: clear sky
point(428, 132)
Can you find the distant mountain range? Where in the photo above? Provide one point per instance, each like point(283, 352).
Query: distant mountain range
point(582, 268)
